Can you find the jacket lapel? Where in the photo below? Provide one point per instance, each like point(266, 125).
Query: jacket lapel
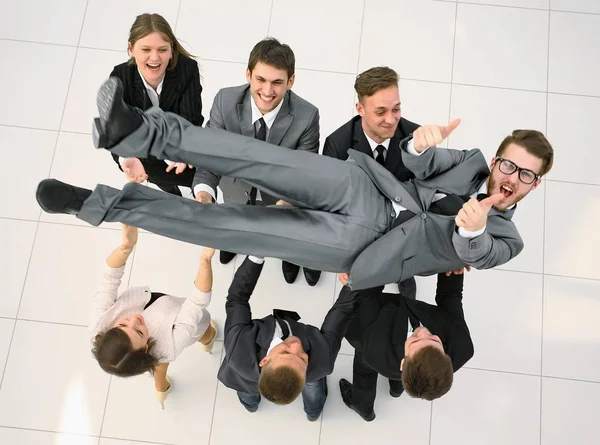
point(170, 89)
point(282, 122)
point(265, 335)
point(359, 140)
point(244, 111)
point(139, 91)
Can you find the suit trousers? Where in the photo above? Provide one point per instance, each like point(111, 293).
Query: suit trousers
point(338, 210)
point(364, 384)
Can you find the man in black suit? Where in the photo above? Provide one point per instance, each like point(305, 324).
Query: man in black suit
point(276, 356)
point(376, 131)
point(422, 364)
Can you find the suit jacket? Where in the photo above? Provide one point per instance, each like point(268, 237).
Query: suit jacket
point(352, 135)
point(379, 329)
point(181, 93)
point(296, 126)
point(247, 340)
point(428, 243)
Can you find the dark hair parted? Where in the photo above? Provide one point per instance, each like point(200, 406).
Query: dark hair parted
point(374, 79)
point(271, 52)
point(280, 385)
point(428, 374)
point(115, 354)
point(535, 143)
point(145, 24)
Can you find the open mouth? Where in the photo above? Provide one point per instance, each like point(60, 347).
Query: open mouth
point(266, 99)
point(153, 66)
point(506, 190)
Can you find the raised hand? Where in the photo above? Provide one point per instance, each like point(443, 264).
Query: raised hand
point(178, 166)
point(473, 215)
point(432, 135)
point(134, 170)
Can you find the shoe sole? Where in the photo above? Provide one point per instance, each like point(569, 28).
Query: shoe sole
point(104, 101)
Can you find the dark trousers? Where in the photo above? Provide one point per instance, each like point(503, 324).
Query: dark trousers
point(364, 384)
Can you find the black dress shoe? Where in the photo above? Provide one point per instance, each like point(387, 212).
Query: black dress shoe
point(408, 288)
point(117, 119)
point(312, 276)
point(226, 257)
point(290, 271)
point(346, 390)
point(55, 196)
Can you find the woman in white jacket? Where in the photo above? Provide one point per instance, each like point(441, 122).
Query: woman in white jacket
point(140, 331)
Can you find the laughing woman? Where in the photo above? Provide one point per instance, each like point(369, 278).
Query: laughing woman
point(160, 72)
point(140, 331)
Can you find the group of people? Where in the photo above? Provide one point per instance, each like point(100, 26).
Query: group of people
point(381, 205)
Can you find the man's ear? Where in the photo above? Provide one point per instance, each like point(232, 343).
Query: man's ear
point(360, 109)
point(401, 365)
point(536, 183)
point(264, 361)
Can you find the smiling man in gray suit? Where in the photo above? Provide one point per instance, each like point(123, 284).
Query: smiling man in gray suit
point(267, 109)
point(347, 216)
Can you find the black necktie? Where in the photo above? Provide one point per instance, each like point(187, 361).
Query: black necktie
point(380, 151)
point(451, 204)
point(261, 135)
point(280, 316)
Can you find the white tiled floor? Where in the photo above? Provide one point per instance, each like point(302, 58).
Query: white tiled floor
point(498, 64)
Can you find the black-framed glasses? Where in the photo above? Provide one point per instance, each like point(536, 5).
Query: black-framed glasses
point(507, 167)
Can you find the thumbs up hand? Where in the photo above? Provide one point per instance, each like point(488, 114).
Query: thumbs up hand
point(473, 215)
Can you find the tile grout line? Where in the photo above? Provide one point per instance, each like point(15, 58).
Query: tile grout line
point(430, 420)
point(544, 230)
point(362, 27)
point(270, 17)
point(212, 419)
point(452, 66)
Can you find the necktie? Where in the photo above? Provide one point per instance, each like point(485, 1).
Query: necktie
point(380, 151)
point(451, 203)
point(261, 135)
point(414, 321)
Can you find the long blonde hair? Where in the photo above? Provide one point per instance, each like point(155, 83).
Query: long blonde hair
point(147, 24)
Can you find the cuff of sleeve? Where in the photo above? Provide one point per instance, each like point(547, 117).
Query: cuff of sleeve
point(200, 298)
point(121, 160)
point(256, 260)
point(204, 188)
point(468, 234)
point(115, 271)
point(410, 148)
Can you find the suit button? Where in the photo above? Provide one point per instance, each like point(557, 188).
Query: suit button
point(397, 199)
point(393, 215)
point(423, 215)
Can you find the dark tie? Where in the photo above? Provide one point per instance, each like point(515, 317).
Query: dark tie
point(280, 316)
point(451, 204)
point(414, 321)
point(380, 151)
point(261, 135)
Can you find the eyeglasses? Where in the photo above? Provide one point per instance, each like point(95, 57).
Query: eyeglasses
point(508, 168)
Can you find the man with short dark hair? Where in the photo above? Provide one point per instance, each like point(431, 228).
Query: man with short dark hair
point(376, 130)
point(267, 109)
point(277, 356)
point(417, 346)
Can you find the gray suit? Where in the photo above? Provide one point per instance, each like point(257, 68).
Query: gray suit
point(296, 126)
point(343, 215)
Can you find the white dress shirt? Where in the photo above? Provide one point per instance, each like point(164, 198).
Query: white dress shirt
point(373, 145)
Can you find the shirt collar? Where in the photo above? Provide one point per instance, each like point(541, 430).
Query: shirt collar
point(374, 144)
point(269, 117)
point(147, 85)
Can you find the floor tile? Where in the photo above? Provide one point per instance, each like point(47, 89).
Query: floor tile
point(6, 332)
point(571, 347)
point(102, 15)
point(67, 397)
point(29, 437)
point(569, 412)
point(535, 4)
point(105, 441)
point(425, 102)
point(77, 162)
point(570, 71)
point(576, 6)
point(494, 44)
point(279, 421)
point(92, 67)
point(393, 35)
point(32, 100)
point(332, 93)
point(342, 425)
point(48, 22)
point(132, 412)
point(504, 313)
point(200, 22)
point(62, 290)
point(481, 404)
point(16, 243)
point(36, 149)
point(572, 209)
point(569, 119)
point(304, 31)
